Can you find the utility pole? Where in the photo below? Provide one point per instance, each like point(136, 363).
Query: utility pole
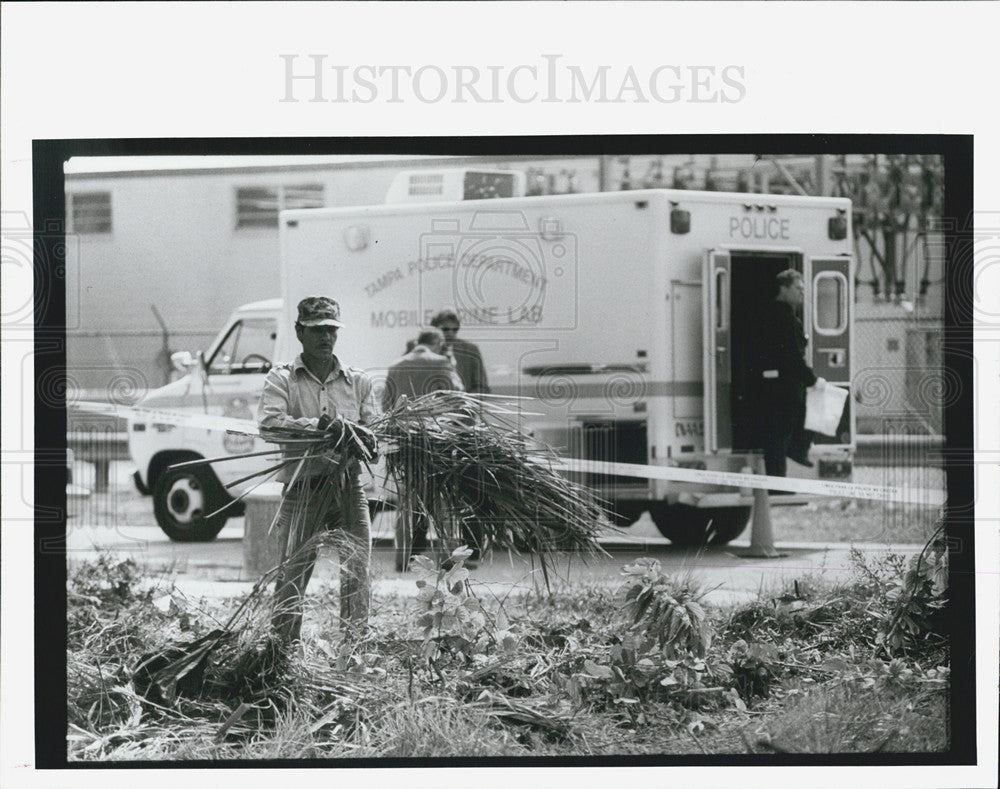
point(824, 181)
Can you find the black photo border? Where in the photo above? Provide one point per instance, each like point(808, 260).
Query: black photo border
point(48, 182)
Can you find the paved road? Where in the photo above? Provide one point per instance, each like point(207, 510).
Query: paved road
point(122, 522)
point(215, 569)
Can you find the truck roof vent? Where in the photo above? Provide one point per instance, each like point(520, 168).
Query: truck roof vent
point(425, 184)
point(434, 186)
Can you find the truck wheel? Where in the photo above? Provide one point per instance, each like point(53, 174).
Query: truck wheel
point(683, 524)
point(624, 512)
point(181, 500)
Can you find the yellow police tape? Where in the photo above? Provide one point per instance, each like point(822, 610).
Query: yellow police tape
point(816, 487)
point(155, 416)
point(819, 487)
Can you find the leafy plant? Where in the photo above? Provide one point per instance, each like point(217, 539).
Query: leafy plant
point(452, 619)
point(754, 668)
point(662, 654)
point(667, 611)
point(917, 600)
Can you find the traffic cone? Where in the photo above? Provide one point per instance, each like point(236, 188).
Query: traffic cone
point(761, 528)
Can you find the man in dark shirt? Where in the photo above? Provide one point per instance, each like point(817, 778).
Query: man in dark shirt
point(464, 355)
point(422, 370)
point(782, 374)
point(468, 361)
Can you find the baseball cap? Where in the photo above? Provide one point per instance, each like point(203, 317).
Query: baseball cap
point(319, 311)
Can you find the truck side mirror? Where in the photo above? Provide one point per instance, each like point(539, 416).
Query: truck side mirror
point(182, 361)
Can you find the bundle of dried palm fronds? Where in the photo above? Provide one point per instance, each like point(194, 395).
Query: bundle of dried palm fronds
point(239, 661)
point(242, 661)
point(462, 460)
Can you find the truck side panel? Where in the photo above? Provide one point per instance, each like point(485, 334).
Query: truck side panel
point(591, 304)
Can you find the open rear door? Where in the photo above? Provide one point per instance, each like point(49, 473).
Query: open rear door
point(828, 306)
point(718, 375)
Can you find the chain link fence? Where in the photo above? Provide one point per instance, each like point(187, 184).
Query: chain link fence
point(900, 382)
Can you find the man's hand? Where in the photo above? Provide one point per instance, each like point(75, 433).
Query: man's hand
point(334, 426)
point(368, 442)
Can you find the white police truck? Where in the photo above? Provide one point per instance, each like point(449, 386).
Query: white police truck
point(627, 318)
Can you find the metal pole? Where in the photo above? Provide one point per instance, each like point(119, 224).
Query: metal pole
point(602, 173)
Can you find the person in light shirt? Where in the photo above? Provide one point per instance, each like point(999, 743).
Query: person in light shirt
point(318, 391)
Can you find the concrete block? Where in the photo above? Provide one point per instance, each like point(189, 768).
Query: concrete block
point(261, 551)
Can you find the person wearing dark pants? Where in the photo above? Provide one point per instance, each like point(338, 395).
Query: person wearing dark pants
point(783, 376)
point(317, 391)
point(422, 370)
point(468, 362)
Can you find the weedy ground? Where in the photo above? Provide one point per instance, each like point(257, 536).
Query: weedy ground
point(853, 521)
point(580, 671)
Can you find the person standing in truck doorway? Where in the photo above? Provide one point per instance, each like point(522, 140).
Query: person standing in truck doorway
point(422, 370)
point(464, 355)
point(318, 391)
point(782, 376)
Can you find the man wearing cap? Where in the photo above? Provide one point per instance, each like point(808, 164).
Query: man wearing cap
point(464, 355)
point(317, 391)
point(422, 370)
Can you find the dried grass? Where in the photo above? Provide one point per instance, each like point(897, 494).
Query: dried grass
point(546, 683)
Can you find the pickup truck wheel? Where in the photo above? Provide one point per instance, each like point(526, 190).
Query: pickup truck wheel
point(182, 498)
point(683, 524)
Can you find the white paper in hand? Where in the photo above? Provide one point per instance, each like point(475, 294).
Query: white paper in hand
point(824, 407)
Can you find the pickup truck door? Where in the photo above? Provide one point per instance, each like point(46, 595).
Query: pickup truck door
point(235, 373)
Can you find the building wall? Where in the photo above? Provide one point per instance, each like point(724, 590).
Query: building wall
point(174, 244)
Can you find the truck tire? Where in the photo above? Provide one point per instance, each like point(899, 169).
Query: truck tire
point(181, 500)
point(685, 525)
point(624, 512)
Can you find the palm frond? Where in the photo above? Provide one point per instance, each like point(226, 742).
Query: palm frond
point(466, 463)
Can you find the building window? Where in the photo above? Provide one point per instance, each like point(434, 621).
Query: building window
point(258, 206)
point(91, 212)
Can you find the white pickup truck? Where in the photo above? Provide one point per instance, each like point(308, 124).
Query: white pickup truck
point(224, 380)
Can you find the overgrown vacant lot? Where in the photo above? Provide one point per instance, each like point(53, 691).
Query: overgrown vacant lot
point(580, 671)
